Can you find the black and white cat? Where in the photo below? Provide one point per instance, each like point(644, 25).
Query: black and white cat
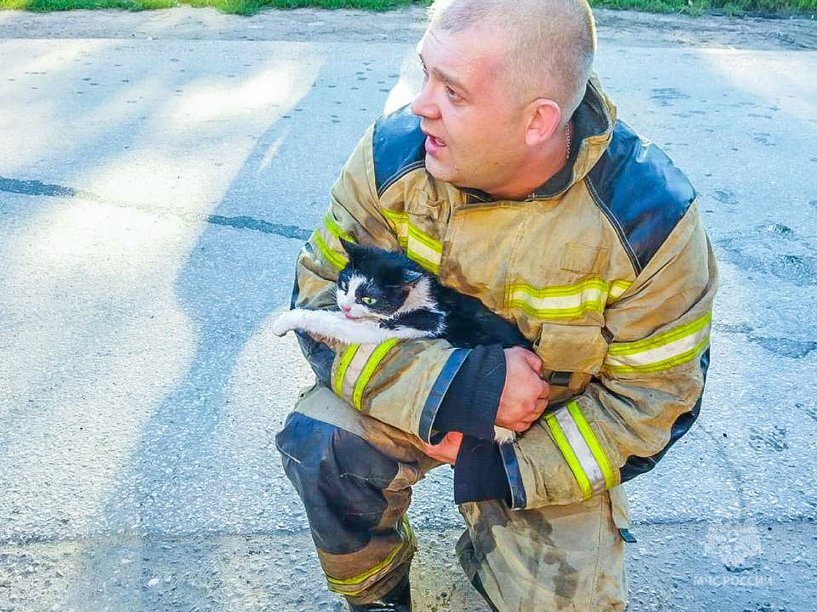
point(383, 294)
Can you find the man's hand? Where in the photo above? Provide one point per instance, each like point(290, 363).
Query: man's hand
point(525, 395)
point(447, 450)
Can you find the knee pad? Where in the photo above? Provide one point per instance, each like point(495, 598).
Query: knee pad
point(339, 477)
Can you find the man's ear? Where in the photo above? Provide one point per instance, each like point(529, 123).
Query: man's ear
point(544, 119)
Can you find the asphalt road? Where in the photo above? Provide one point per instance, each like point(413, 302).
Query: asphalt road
point(154, 193)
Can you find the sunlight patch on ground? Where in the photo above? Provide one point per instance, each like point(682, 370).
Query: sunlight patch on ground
point(28, 69)
point(767, 74)
point(281, 85)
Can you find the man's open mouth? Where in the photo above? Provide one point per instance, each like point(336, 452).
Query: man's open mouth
point(433, 144)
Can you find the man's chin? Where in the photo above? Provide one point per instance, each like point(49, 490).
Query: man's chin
point(439, 171)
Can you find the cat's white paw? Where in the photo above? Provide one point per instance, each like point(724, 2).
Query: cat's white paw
point(504, 436)
point(285, 322)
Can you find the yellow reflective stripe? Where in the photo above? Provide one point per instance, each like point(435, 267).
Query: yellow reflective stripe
point(407, 538)
point(356, 366)
point(371, 365)
point(593, 444)
point(666, 350)
point(561, 290)
point(617, 289)
point(396, 216)
point(399, 225)
point(570, 457)
point(336, 259)
point(345, 359)
point(664, 364)
point(335, 229)
point(435, 246)
point(580, 449)
point(419, 246)
point(665, 338)
point(424, 250)
point(560, 302)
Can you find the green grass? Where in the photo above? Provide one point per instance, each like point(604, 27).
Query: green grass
point(238, 7)
point(728, 7)
point(249, 7)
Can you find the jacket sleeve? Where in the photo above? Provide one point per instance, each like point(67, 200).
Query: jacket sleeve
point(400, 383)
point(647, 392)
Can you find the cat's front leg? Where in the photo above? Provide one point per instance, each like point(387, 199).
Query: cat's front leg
point(314, 321)
point(285, 322)
point(331, 324)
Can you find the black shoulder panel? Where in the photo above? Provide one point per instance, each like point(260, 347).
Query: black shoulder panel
point(642, 193)
point(398, 147)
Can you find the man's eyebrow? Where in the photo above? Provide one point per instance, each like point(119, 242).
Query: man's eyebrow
point(445, 77)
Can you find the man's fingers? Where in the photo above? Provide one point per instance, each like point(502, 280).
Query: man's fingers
point(452, 437)
point(533, 361)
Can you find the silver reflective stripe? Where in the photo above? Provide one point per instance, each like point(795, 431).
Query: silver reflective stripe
point(580, 449)
point(663, 351)
point(356, 366)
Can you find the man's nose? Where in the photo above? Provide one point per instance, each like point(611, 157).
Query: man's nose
point(423, 105)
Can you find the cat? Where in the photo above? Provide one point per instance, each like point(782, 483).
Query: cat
point(383, 294)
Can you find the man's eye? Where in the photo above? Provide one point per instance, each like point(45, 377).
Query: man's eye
point(452, 94)
point(368, 300)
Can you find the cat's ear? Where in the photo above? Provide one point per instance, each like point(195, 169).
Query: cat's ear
point(412, 277)
point(353, 250)
point(349, 247)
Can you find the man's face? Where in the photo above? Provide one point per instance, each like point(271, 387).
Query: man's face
point(475, 129)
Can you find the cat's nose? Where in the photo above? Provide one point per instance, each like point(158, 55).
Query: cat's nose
point(345, 309)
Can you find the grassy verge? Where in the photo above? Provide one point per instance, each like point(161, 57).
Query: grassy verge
point(239, 7)
point(249, 7)
point(769, 8)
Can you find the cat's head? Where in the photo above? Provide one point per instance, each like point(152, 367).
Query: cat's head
point(375, 284)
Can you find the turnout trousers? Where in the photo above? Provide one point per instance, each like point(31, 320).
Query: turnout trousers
point(354, 475)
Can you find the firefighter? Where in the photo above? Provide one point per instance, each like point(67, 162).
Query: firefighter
point(511, 178)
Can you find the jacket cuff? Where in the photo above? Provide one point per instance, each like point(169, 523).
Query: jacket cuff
point(435, 398)
point(479, 473)
point(472, 399)
point(518, 497)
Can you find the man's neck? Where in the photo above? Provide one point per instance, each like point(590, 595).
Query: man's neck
point(547, 162)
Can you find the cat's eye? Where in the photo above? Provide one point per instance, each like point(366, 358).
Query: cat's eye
point(368, 300)
point(343, 285)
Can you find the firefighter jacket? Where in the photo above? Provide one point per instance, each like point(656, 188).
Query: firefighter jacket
point(606, 269)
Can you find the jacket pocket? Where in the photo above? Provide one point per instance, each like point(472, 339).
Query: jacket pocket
point(582, 258)
point(571, 355)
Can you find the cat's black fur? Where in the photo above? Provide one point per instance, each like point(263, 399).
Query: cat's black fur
point(461, 319)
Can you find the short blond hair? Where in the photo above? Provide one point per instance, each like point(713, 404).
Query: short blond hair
point(551, 43)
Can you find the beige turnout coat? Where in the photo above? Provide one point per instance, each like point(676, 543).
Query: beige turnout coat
point(606, 269)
